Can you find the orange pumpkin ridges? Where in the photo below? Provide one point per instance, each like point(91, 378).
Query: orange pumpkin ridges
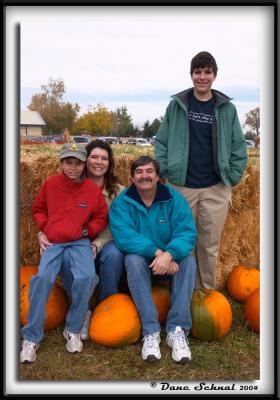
point(25, 274)
point(161, 298)
point(56, 308)
point(211, 314)
point(115, 321)
point(252, 310)
point(242, 281)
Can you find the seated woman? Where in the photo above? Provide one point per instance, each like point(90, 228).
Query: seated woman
point(108, 259)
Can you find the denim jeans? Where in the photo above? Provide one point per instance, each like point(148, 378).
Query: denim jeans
point(109, 262)
point(81, 264)
point(139, 278)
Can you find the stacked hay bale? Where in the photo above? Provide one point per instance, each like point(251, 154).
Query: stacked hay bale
point(240, 238)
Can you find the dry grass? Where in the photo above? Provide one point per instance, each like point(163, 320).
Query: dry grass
point(235, 357)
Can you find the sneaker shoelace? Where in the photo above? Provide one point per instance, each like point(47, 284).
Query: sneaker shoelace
point(73, 336)
point(181, 339)
point(150, 340)
point(27, 343)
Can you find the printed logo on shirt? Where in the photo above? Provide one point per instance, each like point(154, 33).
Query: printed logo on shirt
point(82, 205)
point(200, 117)
point(162, 220)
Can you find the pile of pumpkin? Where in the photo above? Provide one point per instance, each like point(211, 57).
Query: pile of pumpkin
point(115, 321)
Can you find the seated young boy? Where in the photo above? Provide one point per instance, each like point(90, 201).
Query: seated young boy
point(71, 210)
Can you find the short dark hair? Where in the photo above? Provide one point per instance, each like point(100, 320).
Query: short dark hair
point(143, 160)
point(203, 60)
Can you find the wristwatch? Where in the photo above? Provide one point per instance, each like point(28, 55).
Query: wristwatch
point(84, 232)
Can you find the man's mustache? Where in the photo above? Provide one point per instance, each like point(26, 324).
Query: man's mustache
point(145, 180)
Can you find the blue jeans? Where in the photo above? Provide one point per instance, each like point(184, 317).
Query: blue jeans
point(109, 261)
point(81, 264)
point(139, 278)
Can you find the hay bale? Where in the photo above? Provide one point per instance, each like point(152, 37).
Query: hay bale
point(240, 241)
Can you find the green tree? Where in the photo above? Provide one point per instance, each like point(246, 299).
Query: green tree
point(150, 130)
point(252, 120)
point(57, 114)
point(97, 121)
point(124, 122)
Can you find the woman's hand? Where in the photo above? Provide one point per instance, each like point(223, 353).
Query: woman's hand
point(94, 250)
point(43, 242)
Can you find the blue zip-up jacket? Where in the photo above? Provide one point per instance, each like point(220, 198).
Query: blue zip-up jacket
point(167, 225)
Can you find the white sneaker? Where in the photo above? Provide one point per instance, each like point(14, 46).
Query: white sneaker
point(179, 343)
point(74, 342)
point(84, 331)
point(28, 351)
point(150, 349)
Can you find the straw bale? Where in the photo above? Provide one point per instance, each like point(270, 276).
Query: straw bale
point(240, 243)
point(240, 237)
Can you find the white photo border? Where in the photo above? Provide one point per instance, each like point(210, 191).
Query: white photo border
point(14, 14)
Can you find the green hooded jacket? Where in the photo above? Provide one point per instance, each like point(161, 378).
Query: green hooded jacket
point(172, 140)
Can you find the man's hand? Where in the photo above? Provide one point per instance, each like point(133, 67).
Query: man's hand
point(161, 263)
point(173, 268)
point(43, 242)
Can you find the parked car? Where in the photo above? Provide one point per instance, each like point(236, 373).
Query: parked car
point(250, 143)
point(152, 140)
point(80, 139)
point(138, 141)
point(57, 138)
point(110, 139)
point(29, 139)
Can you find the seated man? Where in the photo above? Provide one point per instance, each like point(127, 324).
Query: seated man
point(153, 224)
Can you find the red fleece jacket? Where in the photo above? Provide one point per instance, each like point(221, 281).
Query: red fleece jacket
point(63, 207)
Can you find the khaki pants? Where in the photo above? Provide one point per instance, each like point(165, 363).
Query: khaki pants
point(210, 208)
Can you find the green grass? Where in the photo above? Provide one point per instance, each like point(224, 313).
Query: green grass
point(234, 357)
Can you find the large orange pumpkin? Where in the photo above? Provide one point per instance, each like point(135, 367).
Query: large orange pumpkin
point(211, 314)
point(115, 321)
point(26, 273)
point(56, 308)
point(252, 310)
point(242, 281)
point(161, 298)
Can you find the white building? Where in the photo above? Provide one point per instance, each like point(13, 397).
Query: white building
point(31, 123)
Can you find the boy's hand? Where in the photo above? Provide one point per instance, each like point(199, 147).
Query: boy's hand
point(43, 242)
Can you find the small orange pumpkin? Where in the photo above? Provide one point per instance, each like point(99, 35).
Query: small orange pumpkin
point(252, 310)
point(26, 273)
point(211, 314)
point(242, 281)
point(56, 308)
point(161, 298)
point(115, 321)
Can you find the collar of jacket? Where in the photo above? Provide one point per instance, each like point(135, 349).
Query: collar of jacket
point(183, 97)
point(162, 194)
point(69, 181)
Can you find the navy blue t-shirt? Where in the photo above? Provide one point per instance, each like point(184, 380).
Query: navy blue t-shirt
point(200, 171)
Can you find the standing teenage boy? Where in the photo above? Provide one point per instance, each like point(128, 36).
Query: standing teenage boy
point(201, 151)
point(71, 210)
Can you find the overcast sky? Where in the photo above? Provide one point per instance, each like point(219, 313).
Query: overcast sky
point(139, 58)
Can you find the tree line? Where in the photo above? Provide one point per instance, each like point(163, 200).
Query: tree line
point(99, 121)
